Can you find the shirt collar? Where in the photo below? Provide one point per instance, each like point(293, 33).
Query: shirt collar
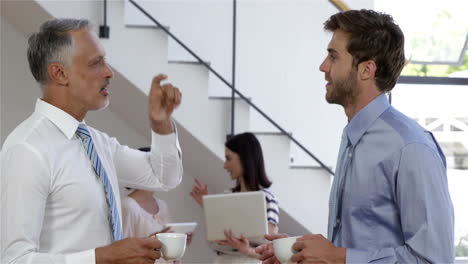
point(65, 122)
point(362, 121)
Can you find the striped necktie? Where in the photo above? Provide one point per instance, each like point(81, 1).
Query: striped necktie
point(83, 133)
point(334, 193)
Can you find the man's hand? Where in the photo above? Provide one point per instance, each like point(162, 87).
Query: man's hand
point(267, 252)
point(130, 250)
point(163, 99)
point(317, 249)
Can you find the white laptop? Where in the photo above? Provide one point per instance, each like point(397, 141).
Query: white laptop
point(241, 212)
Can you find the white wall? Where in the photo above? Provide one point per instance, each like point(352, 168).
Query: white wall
point(280, 45)
point(18, 91)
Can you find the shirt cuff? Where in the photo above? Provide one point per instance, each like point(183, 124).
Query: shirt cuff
point(356, 256)
point(166, 143)
point(88, 256)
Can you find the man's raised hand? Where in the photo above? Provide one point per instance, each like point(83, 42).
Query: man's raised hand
point(163, 99)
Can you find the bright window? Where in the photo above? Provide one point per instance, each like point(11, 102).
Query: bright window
point(443, 110)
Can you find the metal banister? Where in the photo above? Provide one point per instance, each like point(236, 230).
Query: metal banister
point(243, 97)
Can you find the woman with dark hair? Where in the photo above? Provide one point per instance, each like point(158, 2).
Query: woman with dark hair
point(244, 163)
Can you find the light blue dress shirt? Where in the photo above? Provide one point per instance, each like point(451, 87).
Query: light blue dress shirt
point(394, 203)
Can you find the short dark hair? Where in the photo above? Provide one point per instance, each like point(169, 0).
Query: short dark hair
point(50, 45)
point(373, 36)
point(247, 146)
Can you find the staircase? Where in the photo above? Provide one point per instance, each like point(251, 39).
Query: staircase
point(136, 54)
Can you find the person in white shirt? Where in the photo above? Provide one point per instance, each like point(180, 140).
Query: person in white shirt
point(60, 200)
point(144, 214)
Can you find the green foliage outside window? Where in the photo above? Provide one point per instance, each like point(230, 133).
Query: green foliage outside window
point(462, 247)
point(437, 46)
point(434, 70)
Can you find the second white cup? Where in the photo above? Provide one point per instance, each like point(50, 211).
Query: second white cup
point(283, 248)
point(172, 245)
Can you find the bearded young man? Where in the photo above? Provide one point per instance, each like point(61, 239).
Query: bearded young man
point(389, 201)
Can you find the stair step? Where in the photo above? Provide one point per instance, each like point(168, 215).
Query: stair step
point(306, 167)
point(236, 97)
point(270, 133)
point(188, 62)
point(147, 26)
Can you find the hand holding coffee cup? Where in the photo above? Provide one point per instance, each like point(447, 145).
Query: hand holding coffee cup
point(172, 245)
point(283, 248)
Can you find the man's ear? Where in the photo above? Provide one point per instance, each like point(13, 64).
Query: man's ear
point(57, 73)
point(367, 69)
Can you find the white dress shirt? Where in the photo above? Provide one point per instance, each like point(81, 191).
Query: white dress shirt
point(53, 206)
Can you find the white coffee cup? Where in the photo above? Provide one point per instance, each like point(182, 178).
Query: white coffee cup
point(283, 248)
point(172, 245)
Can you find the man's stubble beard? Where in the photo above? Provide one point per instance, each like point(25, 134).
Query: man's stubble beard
point(344, 91)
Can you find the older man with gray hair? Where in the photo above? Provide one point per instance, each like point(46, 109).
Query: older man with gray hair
point(60, 200)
